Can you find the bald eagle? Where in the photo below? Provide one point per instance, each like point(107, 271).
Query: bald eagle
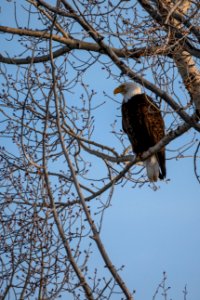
point(143, 123)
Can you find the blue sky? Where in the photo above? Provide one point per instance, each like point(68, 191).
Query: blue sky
point(148, 231)
point(157, 231)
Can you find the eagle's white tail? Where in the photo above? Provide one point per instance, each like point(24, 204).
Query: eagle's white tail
point(152, 167)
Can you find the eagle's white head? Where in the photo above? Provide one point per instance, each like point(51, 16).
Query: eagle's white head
point(128, 90)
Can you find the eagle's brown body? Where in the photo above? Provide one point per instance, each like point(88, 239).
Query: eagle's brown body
point(143, 123)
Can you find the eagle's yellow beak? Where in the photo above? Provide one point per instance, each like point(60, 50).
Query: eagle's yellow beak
point(119, 89)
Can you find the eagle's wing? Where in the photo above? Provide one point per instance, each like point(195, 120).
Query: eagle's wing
point(154, 124)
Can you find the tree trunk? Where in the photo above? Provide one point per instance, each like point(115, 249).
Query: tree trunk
point(184, 61)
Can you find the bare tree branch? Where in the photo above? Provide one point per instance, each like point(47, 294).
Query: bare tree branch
point(63, 153)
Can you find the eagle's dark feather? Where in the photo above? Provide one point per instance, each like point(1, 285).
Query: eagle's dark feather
point(144, 125)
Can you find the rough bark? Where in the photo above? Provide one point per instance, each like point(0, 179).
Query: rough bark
point(183, 59)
